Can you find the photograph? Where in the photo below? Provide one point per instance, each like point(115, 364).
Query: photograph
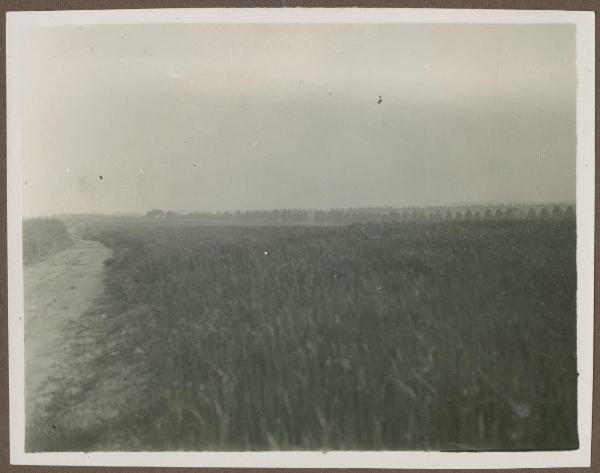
point(257, 237)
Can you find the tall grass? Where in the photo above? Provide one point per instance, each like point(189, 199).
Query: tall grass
point(43, 237)
point(445, 336)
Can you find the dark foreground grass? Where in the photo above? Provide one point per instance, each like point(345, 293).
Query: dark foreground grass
point(445, 336)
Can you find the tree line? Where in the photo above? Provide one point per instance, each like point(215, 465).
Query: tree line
point(378, 214)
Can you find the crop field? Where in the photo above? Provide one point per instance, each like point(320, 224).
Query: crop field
point(392, 336)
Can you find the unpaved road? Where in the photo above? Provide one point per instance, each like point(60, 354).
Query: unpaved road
point(58, 291)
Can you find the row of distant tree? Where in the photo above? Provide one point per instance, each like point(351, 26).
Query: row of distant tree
point(378, 214)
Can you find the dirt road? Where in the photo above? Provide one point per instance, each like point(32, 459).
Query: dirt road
point(58, 291)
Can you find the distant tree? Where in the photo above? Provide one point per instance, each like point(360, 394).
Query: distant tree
point(435, 216)
point(570, 212)
point(509, 213)
point(320, 216)
point(557, 212)
point(498, 214)
point(448, 216)
point(458, 215)
point(393, 215)
point(544, 214)
point(171, 214)
point(531, 215)
point(469, 216)
point(155, 213)
point(488, 215)
point(477, 216)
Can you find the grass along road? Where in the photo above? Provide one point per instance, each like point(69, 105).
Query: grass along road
point(58, 291)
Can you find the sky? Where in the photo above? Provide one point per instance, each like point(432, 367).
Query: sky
point(126, 118)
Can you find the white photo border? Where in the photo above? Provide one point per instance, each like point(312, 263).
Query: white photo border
point(16, 22)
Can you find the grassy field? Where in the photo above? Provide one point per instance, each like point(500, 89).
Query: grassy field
point(43, 237)
point(444, 336)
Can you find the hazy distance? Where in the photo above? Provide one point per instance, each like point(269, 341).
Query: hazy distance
point(125, 118)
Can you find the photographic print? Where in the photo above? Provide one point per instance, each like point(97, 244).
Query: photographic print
point(301, 237)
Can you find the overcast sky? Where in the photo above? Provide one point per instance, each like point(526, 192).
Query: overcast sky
point(223, 117)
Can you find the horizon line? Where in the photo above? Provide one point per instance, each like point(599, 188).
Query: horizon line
point(142, 213)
